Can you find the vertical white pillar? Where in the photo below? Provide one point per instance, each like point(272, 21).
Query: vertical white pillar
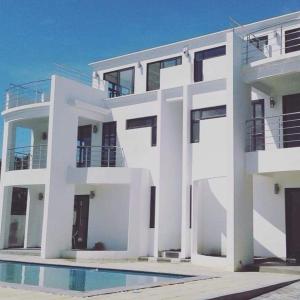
point(157, 176)
point(5, 192)
point(186, 173)
point(59, 195)
point(5, 201)
point(137, 223)
point(240, 203)
point(29, 212)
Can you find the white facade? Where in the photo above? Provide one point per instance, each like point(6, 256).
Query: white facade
point(188, 177)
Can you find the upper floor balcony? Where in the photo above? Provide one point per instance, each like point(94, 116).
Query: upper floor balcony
point(28, 93)
point(99, 156)
point(30, 157)
point(271, 43)
point(273, 143)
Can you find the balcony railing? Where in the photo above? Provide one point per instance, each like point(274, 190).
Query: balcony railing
point(275, 132)
point(272, 41)
point(28, 93)
point(30, 157)
point(99, 156)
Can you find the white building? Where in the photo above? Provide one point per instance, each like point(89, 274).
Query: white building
point(191, 146)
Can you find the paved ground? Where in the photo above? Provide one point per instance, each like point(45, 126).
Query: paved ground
point(223, 283)
point(290, 292)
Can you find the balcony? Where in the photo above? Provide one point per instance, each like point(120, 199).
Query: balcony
point(273, 143)
point(30, 157)
point(274, 132)
point(29, 93)
point(276, 41)
point(99, 156)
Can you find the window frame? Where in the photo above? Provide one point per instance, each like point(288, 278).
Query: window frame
point(161, 62)
point(201, 118)
point(152, 207)
point(153, 126)
point(198, 62)
point(118, 79)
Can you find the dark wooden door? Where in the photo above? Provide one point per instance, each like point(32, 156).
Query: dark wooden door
point(84, 141)
point(292, 215)
point(291, 121)
point(109, 141)
point(80, 221)
point(258, 126)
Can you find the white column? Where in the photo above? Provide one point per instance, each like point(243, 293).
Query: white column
point(59, 195)
point(5, 201)
point(186, 174)
point(5, 192)
point(138, 206)
point(240, 203)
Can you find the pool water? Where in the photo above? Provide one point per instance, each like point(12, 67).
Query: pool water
point(76, 278)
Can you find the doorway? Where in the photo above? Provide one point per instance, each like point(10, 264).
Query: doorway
point(291, 120)
point(17, 217)
point(258, 117)
point(109, 141)
point(84, 141)
point(292, 219)
point(80, 221)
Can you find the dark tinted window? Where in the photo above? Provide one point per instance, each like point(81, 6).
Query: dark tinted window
point(153, 71)
point(203, 114)
point(292, 40)
point(144, 122)
point(205, 54)
point(19, 201)
point(120, 82)
point(152, 207)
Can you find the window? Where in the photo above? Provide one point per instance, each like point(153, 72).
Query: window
point(152, 207)
point(120, 82)
point(202, 55)
point(204, 114)
point(292, 40)
point(260, 42)
point(144, 122)
point(153, 71)
point(258, 125)
point(19, 201)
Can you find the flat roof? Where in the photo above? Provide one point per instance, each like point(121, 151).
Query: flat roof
point(198, 41)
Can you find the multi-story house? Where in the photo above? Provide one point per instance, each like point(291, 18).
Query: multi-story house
point(191, 147)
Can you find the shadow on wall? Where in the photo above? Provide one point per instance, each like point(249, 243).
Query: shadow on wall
point(261, 251)
point(212, 218)
point(268, 218)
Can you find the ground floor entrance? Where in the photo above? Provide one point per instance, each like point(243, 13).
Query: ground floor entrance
point(292, 210)
point(80, 221)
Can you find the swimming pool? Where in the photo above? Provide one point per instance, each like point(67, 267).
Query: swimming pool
point(78, 279)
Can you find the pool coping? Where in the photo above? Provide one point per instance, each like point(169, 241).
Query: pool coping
point(97, 292)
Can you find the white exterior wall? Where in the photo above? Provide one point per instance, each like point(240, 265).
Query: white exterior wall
point(231, 215)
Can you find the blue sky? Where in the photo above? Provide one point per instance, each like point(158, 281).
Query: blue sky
point(35, 34)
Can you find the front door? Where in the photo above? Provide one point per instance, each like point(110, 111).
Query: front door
point(292, 217)
point(109, 141)
point(80, 221)
point(291, 121)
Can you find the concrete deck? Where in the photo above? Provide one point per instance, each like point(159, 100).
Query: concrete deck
point(223, 283)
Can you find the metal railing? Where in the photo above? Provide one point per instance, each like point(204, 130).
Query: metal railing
point(282, 131)
point(281, 39)
point(28, 93)
point(73, 74)
point(115, 90)
point(29, 157)
point(99, 156)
